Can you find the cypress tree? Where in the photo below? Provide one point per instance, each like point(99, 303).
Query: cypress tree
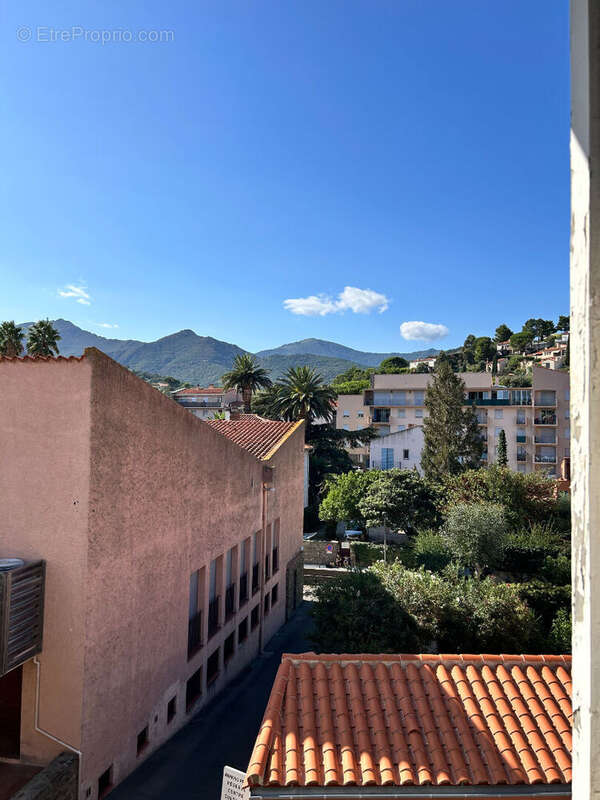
point(502, 456)
point(453, 443)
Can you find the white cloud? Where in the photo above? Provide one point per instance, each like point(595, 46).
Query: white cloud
point(79, 293)
point(105, 325)
point(359, 301)
point(425, 331)
point(362, 301)
point(313, 306)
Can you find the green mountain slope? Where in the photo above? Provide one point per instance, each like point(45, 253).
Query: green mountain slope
point(321, 347)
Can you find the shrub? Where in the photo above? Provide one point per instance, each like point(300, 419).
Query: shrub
point(546, 599)
point(557, 570)
point(343, 494)
point(355, 614)
point(559, 639)
point(476, 534)
point(431, 551)
point(367, 553)
point(458, 614)
point(527, 550)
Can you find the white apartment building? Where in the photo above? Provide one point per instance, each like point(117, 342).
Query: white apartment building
point(208, 401)
point(399, 450)
point(535, 419)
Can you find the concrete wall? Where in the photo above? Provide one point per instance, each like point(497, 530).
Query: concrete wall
point(57, 781)
point(585, 397)
point(126, 494)
point(410, 439)
point(44, 490)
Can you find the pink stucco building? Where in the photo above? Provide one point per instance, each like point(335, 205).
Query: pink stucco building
point(172, 551)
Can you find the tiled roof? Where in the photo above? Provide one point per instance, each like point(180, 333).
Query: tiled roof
point(200, 390)
point(254, 433)
point(41, 358)
point(402, 720)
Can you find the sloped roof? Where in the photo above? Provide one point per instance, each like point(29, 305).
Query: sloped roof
point(402, 720)
point(257, 435)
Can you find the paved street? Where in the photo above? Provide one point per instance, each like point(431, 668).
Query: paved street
point(190, 765)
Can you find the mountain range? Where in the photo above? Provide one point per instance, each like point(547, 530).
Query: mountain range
point(203, 359)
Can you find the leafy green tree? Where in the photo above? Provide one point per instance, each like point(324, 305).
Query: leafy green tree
point(503, 333)
point(355, 614)
point(11, 339)
point(246, 376)
point(399, 498)
point(564, 323)
point(540, 328)
point(302, 394)
point(484, 348)
point(42, 339)
point(351, 387)
point(519, 341)
point(392, 365)
point(469, 349)
point(527, 498)
point(422, 368)
point(502, 455)
point(453, 442)
point(353, 374)
point(476, 534)
point(343, 494)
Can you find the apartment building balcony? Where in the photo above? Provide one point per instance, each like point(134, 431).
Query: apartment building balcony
point(380, 416)
point(522, 457)
point(486, 402)
point(200, 403)
point(546, 399)
point(545, 459)
point(545, 419)
point(545, 438)
point(21, 611)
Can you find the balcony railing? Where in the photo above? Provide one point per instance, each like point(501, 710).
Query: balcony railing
point(230, 601)
point(200, 404)
point(380, 416)
point(545, 419)
point(213, 617)
point(243, 588)
point(194, 634)
point(255, 578)
point(545, 459)
point(545, 439)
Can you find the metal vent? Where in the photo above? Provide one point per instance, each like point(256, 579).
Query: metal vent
point(21, 613)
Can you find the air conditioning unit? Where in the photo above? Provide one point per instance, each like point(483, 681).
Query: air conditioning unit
point(21, 611)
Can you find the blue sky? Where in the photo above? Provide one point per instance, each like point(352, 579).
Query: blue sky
point(284, 150)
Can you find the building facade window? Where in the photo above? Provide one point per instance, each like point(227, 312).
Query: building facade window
point(419, 413)
point(254, 617)
point(275, 559)
point(193, 689)
point(401, 413)
point(498, 413)
point(195, 614)
point(244, 567)
point(229, 647)
point(274, 594)
point(405, 454)
point(387, 458)
point(171, 709)
point(213, 602)
point(142, 740)
point(243, 630)
point(212, 666)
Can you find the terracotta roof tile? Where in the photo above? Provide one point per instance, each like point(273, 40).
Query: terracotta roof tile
point(257, 435)
point(403, 720)
point(199, 390)
point(35, 359)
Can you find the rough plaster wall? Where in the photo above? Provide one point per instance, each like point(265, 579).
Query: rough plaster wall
point(585, 393)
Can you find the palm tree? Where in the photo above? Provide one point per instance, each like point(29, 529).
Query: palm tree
point(42, 339)
point(11, 339)
point(246, 377)
point(304, 395)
